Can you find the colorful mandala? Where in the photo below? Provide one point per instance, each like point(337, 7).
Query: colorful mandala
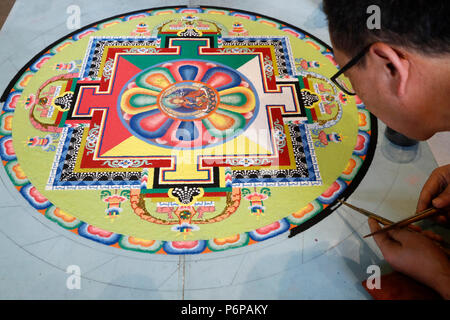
point(184, 130)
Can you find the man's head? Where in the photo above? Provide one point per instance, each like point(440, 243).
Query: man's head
point(404, 78)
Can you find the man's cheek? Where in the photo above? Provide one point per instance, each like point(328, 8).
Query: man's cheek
point(372, 103)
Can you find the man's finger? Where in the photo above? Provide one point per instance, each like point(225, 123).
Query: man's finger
point(431, 235)
point(443, 199)
point(387, 246)
point(415, 228)
point(442, 219)
point(400, 235)
point(431, 188)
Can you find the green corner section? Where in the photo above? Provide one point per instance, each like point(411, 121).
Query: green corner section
point(307, 111)
point(63, 119)
point(300, 81)
point(189, 50)
point(165, 38)
point(65, 114)
point(150, 191)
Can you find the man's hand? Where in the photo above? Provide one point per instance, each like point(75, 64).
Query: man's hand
point(416, 255)
point(436, 192)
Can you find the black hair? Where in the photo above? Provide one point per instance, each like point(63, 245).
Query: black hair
point(421, 25)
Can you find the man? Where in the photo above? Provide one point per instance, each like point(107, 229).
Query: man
point(403, 77)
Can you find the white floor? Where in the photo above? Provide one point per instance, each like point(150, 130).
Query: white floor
point(328, 261)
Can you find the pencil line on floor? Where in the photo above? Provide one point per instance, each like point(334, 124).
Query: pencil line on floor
point(39, 241)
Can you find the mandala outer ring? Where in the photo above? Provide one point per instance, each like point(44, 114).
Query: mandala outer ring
point(154, 246)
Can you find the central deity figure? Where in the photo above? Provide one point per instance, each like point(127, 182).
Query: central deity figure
point(197, 100)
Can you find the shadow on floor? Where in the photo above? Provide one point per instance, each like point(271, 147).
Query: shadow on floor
point(5, 8)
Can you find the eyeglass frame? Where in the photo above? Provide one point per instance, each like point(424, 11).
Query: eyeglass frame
point(347, 66)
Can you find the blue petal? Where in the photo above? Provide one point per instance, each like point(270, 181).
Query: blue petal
point(187, 131)
point(188, 72)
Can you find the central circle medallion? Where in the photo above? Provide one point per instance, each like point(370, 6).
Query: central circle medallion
point(188, 100)
point(188, 104)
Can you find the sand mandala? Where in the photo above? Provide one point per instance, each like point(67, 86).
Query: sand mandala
point(184, 130)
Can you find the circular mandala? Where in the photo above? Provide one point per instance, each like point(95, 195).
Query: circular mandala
point(192, 129)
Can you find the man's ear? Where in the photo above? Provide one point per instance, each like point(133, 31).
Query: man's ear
point(394, 65)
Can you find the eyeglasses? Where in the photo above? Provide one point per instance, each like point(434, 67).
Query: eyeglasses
point(339, 78)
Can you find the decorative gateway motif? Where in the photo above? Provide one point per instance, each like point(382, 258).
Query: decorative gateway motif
point(186, 128)
point(187, 212)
